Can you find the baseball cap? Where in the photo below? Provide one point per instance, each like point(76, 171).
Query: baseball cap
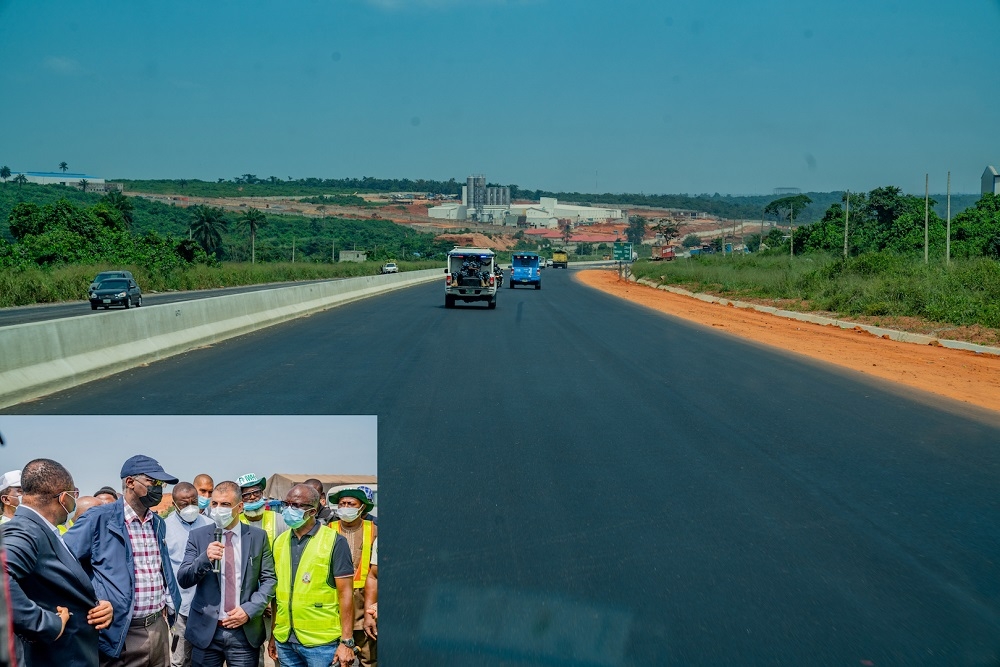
point(141, 464)
point(12, 478)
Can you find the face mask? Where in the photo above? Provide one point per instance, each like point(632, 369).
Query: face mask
point(69, 512)
point(294, 517)
point(13, 499)
point(223, 516)
point(203, 502)
point(254, 507)
point(154, 494)
point(348, 513)
point(189, 513)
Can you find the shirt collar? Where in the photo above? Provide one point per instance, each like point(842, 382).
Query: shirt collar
point(131, 516)
point(48, 523)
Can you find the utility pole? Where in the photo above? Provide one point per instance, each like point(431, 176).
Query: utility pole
point(927, 198)
point(947, 243)
point(791, 227)
point(847, 215)
point(760, 244)
point(333, 252)
point(293, 250)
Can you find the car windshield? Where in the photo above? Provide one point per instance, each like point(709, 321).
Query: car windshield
point(113, 284)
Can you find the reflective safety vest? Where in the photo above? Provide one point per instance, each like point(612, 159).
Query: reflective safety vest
point(311, 607)
point(367, 537)
point(266, 522)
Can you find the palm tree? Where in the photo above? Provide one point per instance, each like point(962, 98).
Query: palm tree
point(120, 203)
point(207, 227)
point(82, 184)
point(253, 220)
point(63, 166)
point(20, 179)
point(5, 173)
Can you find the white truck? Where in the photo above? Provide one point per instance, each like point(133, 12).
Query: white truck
point(470, 276)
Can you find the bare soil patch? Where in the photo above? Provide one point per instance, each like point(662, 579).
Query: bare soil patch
point(958, 374)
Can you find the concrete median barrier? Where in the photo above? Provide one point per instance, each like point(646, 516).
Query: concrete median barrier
point(43, 357)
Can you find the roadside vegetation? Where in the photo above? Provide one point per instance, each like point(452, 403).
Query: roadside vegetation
point(884, 273)
point(56, 239)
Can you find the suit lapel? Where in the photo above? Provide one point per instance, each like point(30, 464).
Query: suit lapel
point(64, 556)
point(246, 538)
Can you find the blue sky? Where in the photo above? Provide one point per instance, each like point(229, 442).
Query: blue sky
point(93, 448)
point(734, 96)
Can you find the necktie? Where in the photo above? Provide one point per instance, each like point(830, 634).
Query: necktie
point(229, 601)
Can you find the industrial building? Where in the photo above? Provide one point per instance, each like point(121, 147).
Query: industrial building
point(492, 205)
point(991, 181)
point(70, 179)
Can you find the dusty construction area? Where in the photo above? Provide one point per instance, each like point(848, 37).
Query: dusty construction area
point(964, 376)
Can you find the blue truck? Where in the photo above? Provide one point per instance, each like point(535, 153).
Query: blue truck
point(524, 269)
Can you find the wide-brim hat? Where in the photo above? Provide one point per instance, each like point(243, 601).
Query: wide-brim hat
point(352, 492)
point(250, 480)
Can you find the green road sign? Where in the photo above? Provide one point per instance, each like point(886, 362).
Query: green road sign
point(622, 252)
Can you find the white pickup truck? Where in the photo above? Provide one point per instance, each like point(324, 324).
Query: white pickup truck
point(470, 276)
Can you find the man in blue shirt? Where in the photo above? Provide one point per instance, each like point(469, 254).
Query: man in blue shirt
point(185, 517)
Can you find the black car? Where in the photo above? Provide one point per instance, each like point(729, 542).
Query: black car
point(115, 292)
point(104, 275)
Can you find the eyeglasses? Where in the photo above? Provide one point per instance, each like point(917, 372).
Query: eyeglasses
point(301, 506)
point(149, 481)
point(251, 496)
point(75, 493)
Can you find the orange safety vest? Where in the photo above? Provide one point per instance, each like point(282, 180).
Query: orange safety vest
point(367, 537)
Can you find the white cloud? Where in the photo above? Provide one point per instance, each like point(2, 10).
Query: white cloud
point(61, 65)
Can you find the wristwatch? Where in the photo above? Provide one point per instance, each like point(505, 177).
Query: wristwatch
point(349, 643)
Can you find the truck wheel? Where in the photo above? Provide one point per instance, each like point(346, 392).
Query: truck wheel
point(493, 304)
point(538, 286)
point(449, 301)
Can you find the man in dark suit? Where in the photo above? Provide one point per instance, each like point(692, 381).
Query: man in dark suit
point(226, 618)
point(56, 612)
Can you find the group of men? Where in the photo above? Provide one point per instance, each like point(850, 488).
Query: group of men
point(104, 581)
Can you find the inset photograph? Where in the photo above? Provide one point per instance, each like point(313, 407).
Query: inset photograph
point(190, 540)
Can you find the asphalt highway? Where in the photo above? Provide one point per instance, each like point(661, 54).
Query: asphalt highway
point(574, 480)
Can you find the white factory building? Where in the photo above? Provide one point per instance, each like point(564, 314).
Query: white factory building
point(493, 205)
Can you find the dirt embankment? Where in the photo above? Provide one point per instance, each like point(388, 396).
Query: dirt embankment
point(964, 376)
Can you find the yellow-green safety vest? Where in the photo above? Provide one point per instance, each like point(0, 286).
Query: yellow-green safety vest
point(367, 537)
point(266, 522)
point(311, 607)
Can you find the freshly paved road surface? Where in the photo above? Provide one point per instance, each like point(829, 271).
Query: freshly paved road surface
point(570, 479)
point(54, 311)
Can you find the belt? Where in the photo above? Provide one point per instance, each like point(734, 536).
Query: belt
point(146, 621)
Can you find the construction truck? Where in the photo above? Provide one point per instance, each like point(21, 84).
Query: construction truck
point(560, 259)
point(662, 252)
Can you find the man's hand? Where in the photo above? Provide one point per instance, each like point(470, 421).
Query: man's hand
point(101, 615)
point(64, 617)
point(272, 648)
point(237, 617)
point(215, 551)
point(371, 621)
point(344, 656)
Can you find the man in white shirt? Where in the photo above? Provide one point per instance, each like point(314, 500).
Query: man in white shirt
point(10, 494)
point(185, 517)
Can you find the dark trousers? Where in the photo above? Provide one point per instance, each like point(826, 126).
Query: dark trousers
point(228, 646)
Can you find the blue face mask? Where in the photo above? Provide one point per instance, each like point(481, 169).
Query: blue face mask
point(294, 517)
point(253, 507)
point(203, 502)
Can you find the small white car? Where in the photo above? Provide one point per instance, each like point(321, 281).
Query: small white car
point(390, 267)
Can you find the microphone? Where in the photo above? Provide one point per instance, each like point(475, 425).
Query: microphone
point(217, 564)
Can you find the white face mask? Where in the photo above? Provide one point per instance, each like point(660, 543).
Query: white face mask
point(223, 516)
point(189, 513)
point(348, 513)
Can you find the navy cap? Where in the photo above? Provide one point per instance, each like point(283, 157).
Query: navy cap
point(146, 465)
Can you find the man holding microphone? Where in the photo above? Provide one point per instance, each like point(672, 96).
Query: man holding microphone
point(231, 566)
